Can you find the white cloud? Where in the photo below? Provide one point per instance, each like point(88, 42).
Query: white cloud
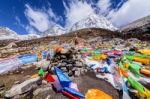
point(51, 13)
point(38, 19)
point(77, 10)
point(130, 11)
point(18, 22)
point(30, 30)
point(104, 6)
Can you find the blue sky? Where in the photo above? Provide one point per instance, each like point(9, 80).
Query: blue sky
point(32, 16)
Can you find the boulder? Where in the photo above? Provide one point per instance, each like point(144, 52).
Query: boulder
point(23, 87)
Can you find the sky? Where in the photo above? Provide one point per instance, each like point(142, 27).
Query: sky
point(36, 16)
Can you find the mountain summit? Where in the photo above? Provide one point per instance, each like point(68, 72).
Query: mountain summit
point(93, 21)
point(54, 30)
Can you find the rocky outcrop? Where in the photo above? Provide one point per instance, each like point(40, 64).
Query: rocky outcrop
point(23, 87)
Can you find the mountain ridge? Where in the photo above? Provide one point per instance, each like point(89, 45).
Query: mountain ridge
point(92, 21)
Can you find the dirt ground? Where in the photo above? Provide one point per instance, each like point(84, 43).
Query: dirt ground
point(84, 82)
point(17, 76)
point(89, 81)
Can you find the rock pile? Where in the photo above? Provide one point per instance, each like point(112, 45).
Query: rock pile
point(70, 61)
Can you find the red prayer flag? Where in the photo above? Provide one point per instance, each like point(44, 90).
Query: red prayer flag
point(49, 78)
point(69, 95)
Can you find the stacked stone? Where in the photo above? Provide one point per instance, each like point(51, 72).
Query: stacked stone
point(70, 61)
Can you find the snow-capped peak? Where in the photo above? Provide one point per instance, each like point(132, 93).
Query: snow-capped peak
point(28, 36)
point(54, 30)
point(6, 33)
point(93, 21)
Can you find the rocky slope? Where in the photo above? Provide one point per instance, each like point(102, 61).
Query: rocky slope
point(138, 27)
point(138, 23)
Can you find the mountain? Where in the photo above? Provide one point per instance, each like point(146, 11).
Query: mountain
point(54, 30)
point(139, 28)
point(28, 36)
point(93, 21)
point(7, 34)
point(142, 23)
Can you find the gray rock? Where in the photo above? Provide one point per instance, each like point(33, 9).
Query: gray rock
point(63, 56)
point(85, 70)
point(74, 57)
point(16, 97)
point(2, 93)
point(77, 73)
point(68, 65)
point(70, 73)
point(63, 64)
point(24, 67)
point(23, 87)
point(16, 82)
point(43, 64)
point(64, 51)
point(79, 64)
point(64, 69)
point(48, 97)
point(74, 69)
point(41, 90)
point(2, 86)
point(22, 72)
point(82, 71)
point(78, 56)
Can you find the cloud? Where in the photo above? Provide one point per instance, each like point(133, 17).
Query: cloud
point(18, 22)
point(37, 18)
point(30, 30)
point(40, 19)
point(130, 11)
point(53, 16)
point(104, 6)
point(77, 10)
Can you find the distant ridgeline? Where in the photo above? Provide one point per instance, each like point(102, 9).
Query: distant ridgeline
point(85, 34)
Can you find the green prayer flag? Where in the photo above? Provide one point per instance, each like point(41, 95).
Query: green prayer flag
point(136, 85)
point(41, 72)
point(129, 57)
point(135, 69)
